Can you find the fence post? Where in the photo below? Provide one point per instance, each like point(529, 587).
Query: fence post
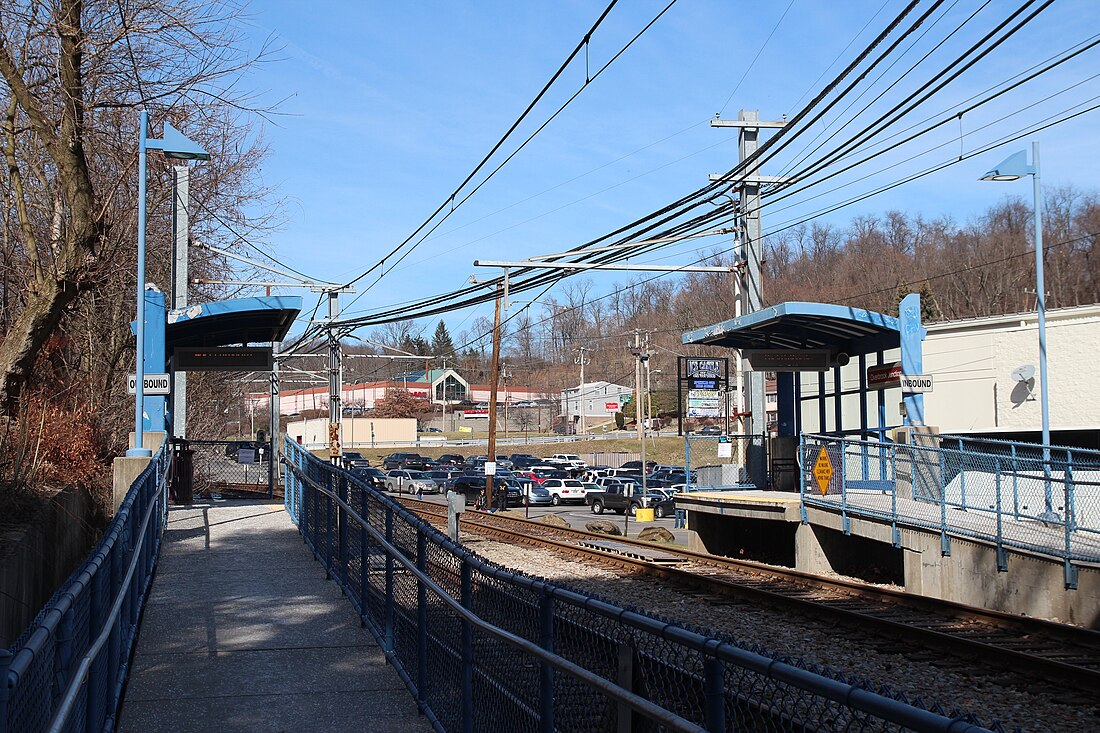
point(1015, 485)
point(945, 544)
point(344, 493)
point(714, 686)
point(328, 531)
point(1070, 519)
point(389, 585)
point(1002, 559)
point(844, 518)
point(801, 467)
point(63, 649)
point(546, 678)
point(625, 679)
point(467, 650)
point(421, 621)
point(364, 556)
point(895, 533)
point(5, 663)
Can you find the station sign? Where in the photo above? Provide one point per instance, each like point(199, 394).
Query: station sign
point(789, 360)
point(884, 376)
point(155, 384)
point(916, 383)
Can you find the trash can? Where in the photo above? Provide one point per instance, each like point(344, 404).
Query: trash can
point(182, 488)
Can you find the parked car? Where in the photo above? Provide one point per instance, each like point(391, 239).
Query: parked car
point(473, 486)
point(441, 475)
point(524, 460)
point(431, 430)
point(709, 430)
point(668, 477)
point(542, 473)
point(354, 459)
point(450, 459)
point(620, 499)
point(565, 490)
point(234, 448)
point(404, 481)
point(370, 476)
point(412, 461)
point(535, 495)
point(636, 466)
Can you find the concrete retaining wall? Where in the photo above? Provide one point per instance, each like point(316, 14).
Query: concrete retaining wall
point(36, 559)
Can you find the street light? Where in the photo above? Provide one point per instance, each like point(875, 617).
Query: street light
point(1014, 168)
point(176, 147)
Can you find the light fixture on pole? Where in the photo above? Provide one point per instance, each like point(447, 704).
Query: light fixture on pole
point(1014, 168)
point(177, 147)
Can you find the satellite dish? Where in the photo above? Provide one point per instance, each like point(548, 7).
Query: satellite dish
point(1024, 373)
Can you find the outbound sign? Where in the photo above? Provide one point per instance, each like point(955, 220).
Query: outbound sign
point(916, 383)
point(155, 384)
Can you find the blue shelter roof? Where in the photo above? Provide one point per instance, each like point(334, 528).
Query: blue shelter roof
point(228, 322)
point(795, 325)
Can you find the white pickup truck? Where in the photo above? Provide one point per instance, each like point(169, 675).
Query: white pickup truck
point(571, 458)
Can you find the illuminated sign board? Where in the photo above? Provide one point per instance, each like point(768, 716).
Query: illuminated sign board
point(792, 360)
point(223, 359)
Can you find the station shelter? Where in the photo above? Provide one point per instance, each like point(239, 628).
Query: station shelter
point(808, 345)
point(234, 335)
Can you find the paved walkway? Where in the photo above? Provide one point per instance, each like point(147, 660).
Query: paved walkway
point(243, 633)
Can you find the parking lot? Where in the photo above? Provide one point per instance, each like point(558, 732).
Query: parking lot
point(577, 515)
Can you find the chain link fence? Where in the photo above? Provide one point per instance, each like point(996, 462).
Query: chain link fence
point(483, 648)
point(233, 468)
point(1015, 495)
point(727, 461)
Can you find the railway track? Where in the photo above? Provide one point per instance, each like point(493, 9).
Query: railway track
point(1066, 655)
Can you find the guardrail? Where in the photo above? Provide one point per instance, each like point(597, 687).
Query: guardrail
point(68, 669)
point(526, 654)
point(1022, 496)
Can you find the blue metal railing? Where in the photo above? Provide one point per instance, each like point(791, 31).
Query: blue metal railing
point(525, 654)
point(68, 669)
point(1013, 495)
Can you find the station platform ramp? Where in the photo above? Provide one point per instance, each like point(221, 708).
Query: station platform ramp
point(242, 632)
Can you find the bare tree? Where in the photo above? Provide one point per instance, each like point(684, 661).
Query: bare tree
point(74, 73)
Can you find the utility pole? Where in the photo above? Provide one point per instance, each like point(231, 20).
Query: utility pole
point(748, 183)
point(582, 360)
point(335, 380)
point(493, 380)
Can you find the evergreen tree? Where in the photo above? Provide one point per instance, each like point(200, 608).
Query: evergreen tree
point(441, 341)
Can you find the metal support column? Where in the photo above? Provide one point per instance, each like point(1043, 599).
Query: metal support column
point(181, 229)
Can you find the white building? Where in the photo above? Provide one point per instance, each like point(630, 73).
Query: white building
point(977, 365)
point(601, 400)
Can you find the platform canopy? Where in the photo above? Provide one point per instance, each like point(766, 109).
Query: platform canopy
point(228, 322)
point(793, 326)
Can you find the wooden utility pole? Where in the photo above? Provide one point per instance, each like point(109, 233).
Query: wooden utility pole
point(493, 381)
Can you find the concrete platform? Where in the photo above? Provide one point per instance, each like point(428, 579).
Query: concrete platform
point(243, 633)
point(767, 526)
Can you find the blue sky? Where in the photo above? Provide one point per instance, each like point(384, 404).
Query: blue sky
point(389, 106)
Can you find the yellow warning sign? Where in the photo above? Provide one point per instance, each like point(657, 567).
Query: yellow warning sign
point(823, 471)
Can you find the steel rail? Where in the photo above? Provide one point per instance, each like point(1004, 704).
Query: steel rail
point(1083, 678)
